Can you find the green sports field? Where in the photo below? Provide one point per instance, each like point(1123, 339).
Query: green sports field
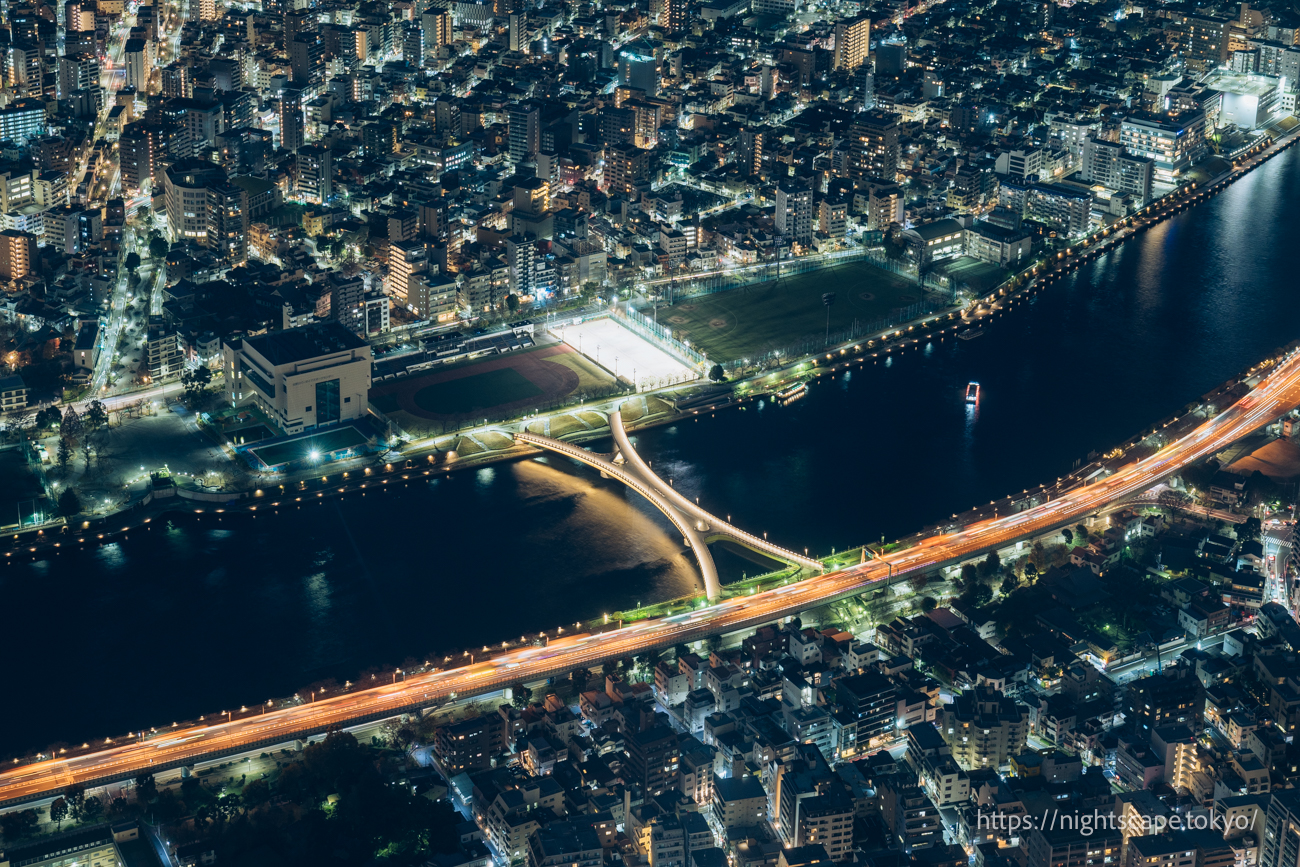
point(504, 385)
point(754, 320)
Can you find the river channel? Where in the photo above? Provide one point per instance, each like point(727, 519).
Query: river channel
point(198, 614)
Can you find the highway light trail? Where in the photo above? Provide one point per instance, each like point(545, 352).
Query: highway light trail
point(1278, 393)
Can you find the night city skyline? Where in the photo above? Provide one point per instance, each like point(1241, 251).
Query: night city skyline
point(682, 433)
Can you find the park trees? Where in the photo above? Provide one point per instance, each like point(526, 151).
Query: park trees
point(95, 416)
point(58, 812)
point(75, 795)
point(1249, 529)
point(146, 789)
point(18, 824)
point(71, 426)
point(48, 417)
point(195, 380)
point(256, 793)
point(69, 503)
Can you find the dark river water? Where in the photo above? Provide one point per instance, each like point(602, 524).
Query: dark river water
point(205, 615)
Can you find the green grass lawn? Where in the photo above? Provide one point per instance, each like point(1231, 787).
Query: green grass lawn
point(753, 320)
point(492, 388)
point(295, 450)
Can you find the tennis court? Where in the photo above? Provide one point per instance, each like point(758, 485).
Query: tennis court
point(309, 446)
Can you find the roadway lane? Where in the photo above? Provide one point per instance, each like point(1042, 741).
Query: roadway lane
point(1276, 394)
point(1277, 552)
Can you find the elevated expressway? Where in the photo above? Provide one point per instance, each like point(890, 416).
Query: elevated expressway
point(1278, 393)
point(697, 526)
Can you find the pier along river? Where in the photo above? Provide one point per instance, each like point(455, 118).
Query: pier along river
point(205, 612)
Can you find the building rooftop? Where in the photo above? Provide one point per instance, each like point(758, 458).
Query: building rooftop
point(1248, 83)
point(300, 344)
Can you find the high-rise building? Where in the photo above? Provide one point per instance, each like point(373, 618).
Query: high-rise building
point(292, 125)
point(315, 167)
point(672, 16)
point(437, 29)
point(139, 63)
point(750, 153)
point(867, 84)
point(984, 728)
point(136, 156)
point(532, 273)
point(147, 17)
point(794, 211)
point(1280, 846)
point(873, 146)
point(163, 353)
point(525, 130)
point(17, 252)
point(1206, 40)
point(1169, 698)
point(517, 27)
point(211, 10)
point(299, 21)
point(306, 58)
point(77, 72)
point(1108, 164)
point(626, 167)
point(652, 759)
point(638, 66)
point(347, 300)
point(852, 41)
point(204, 207)
point(413, 45)
point(176, 81)
point(405, 259)
point(1173, 141)
point(379, 137)
point(228, 222)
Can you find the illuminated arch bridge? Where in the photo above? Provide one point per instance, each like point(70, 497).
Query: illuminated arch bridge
point(697, 526)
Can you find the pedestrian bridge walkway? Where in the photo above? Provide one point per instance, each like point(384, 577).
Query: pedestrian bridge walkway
point(697, 526)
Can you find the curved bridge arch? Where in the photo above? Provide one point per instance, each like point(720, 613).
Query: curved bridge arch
point(704, 520)
point(708, 569)
point(697, 526)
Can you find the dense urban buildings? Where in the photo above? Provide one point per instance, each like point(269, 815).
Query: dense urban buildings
point(273, 226)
